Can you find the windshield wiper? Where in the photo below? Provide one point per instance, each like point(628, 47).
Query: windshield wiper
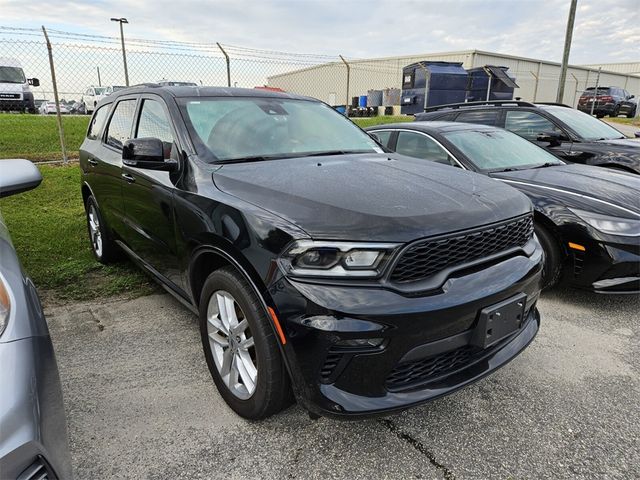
point(257, 158)
point(548, 164)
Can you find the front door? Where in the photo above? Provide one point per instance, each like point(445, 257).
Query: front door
point(147, 195)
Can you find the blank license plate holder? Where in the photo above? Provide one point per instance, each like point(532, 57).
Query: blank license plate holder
point(499, 321)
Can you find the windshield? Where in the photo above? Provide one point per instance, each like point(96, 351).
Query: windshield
point(100, 90)
point(247, 127)
point(587, 127)
point(497, 150)
point(12, 75)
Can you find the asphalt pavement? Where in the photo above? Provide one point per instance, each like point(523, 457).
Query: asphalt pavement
point(141, 404)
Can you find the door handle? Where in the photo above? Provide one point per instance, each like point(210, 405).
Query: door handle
point(92, 161)
point(129, 178)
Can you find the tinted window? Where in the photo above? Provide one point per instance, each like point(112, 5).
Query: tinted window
point(97, 122)
point(119, 130)
point(528, 124)
point(384, 136)
point(449, 117)
point(420, 146)
point(485, 117)
point(154, 122)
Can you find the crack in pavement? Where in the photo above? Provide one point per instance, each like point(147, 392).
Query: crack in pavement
point(448, 474)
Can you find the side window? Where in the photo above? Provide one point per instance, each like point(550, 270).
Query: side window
point(119, 130)
point(420, 146)
point(384, 136)
point(449, 117)
point(483, 117)
point(528, 124)
point(97, 122)
point(88, 92)
point(154, 122)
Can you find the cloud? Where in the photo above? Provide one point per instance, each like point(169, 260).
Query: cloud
point(606, 30)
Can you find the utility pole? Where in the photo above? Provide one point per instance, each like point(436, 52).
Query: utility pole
point(124, 52)
point(567, 49)
point(99, 81)
point(595, 93)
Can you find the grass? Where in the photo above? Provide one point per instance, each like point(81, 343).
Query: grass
point(371, 121)
point(49, 232)
point(627, 121)
point(35, 137)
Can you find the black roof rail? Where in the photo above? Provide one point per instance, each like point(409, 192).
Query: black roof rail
point(454, 106)
point(553, 103)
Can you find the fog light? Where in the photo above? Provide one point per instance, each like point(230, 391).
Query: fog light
point(360, 342)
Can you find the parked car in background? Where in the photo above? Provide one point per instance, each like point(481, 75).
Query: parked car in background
point(15, 88)
point(113, 88)
point(567, 133)
point(77, 108)
point(50, 107)
point(33, 428)
point(587, 219)
point(612, 101)
point(368, 281)
point(92, 96)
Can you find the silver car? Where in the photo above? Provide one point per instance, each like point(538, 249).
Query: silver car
point(33, 430)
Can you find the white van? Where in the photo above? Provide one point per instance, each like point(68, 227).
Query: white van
point(15, 91)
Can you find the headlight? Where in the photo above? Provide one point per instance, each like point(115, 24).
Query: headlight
point(5, 305)
point(309, 258)
point(628, 227)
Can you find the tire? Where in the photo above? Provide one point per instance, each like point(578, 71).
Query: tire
point(615, 113)
point(552, 257)
point(104, 249)
point(254, 349)
point(631, 113)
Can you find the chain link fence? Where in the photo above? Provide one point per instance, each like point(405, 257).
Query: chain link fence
point(86, 65)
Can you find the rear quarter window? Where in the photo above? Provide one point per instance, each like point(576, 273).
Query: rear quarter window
point(97, 122)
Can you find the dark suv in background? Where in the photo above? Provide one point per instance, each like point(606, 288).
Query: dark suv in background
point(567, 133)
point(612, 101)
point(367, 281)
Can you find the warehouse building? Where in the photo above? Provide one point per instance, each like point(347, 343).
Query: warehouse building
point(628, 68)
point(537, 79)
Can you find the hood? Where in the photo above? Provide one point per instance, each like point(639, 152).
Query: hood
point(371, 197)
point(627, 145)
point(580, 186)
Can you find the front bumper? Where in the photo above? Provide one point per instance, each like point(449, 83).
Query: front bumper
point(33, 428)
point(21, 103)
point(335, 377)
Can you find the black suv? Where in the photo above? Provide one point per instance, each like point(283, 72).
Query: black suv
point(567, 133)
point(612, 101)
point(366, 281)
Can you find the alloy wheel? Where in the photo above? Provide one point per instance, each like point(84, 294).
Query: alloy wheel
point(94, 230)
point(232, 344)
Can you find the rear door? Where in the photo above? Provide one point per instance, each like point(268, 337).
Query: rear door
point(148, 194)
point(530, 125)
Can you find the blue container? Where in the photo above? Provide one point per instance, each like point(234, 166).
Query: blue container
point(501, 88)
point(428, 84)
point(362, 102)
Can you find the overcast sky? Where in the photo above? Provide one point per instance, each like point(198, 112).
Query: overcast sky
point(606, 30)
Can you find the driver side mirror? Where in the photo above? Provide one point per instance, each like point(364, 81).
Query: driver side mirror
point(554, 138)
point(631, 96)
point(147, 153)
point(34, 82)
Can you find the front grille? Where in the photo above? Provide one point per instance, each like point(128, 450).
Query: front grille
point(428, 257)
point(38, 470)
point(407, 374)
point(9, 96)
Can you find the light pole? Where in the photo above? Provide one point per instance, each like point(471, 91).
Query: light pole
point(567, 48)
point(124, 52)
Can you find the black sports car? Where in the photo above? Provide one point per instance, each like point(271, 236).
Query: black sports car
point(313, 258)
point(586, 218)
point(567, 133)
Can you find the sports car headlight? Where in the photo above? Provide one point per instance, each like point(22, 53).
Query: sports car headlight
point(628, 227)
point(309, 258)
point(5, 305)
